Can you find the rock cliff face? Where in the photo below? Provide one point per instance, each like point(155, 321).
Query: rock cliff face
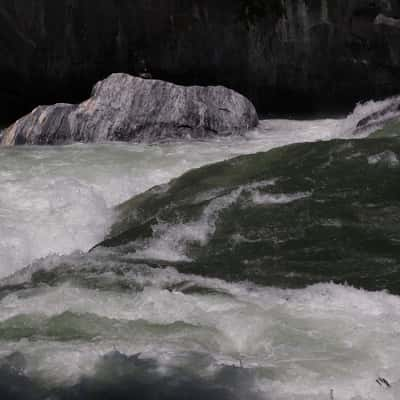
point(320, 54)
point(126, 108)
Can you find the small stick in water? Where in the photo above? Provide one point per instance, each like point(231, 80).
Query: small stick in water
point(381, 381)
point(331, 397)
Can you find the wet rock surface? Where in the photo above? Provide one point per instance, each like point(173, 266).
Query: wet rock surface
point(126, 108)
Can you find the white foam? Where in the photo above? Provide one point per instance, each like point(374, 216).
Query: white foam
point(306, 341)
point(387, 157)
point(384, 111)
point(42, 217)
point(278, 198)
point(170, 240)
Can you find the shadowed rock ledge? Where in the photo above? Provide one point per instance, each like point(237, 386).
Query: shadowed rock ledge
point(127, 108)
point(317, 55)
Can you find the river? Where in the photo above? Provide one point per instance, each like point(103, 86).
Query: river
point(113, 325)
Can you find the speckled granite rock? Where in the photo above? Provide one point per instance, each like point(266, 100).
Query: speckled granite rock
point(127, 108)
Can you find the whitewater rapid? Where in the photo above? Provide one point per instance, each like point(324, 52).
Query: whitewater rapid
point(290, 344)
point(326, 341)
point(56, 200)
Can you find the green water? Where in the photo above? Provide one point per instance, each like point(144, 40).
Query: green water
point(390, 129)
point(294, 216)
point(294, 236)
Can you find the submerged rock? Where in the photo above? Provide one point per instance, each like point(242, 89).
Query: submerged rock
point(127, 108)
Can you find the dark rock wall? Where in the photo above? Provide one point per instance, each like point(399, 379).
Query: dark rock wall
point(321, 55)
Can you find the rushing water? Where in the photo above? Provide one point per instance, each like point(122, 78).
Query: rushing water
point(75, 325)
point(59, 199)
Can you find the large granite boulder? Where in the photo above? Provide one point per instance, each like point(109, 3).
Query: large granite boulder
point(127, 108)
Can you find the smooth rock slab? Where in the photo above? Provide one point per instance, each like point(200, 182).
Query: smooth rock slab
point(127, 108)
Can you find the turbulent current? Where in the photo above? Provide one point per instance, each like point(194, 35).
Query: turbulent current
point(268, 276)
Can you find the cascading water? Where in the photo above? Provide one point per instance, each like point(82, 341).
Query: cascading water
point(57, 200)
point(76, 325)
